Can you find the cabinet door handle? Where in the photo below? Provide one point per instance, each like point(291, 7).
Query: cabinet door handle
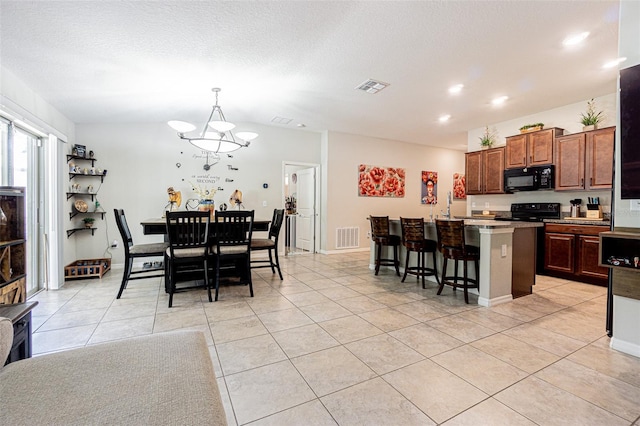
point(591, 181)
point(530, 159)
point(582, 182)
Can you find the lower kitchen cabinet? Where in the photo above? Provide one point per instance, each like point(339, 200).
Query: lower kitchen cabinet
point(572, 252)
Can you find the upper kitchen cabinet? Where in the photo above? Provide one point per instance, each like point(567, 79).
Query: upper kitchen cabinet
point(484, 171)
point(531, 149)
point(585, 160)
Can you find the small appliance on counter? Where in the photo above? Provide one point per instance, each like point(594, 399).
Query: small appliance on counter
point(575, 207)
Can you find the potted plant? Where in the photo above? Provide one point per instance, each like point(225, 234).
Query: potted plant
point(591, 118)
point(88, 222)
point(531, 127)
point(488, 138)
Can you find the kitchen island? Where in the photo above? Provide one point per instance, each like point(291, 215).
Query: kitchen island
point(507, 256)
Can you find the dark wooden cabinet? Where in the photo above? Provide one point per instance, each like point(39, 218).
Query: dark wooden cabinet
point(13, 273)
point(484, 171)
point(20, 316)
point(531, 149)
point(585, 160)
point(572, 252)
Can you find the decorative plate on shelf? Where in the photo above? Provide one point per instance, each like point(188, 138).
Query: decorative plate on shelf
point(81, 206)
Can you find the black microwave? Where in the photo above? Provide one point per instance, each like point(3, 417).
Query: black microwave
point(529, 179)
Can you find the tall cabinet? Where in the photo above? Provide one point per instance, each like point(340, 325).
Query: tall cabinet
point(484, 171)
point(13, 275)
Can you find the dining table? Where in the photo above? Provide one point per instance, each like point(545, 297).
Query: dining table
point(158, 226)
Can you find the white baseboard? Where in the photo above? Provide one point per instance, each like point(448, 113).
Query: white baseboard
point(624, 346)
point(341, 251)
point(496, 301)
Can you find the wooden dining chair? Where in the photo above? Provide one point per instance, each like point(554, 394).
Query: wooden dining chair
point(270, 244)
point(136, 251)
point(188, 233)
point(232, 249)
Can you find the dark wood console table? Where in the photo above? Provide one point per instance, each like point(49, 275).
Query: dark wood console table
point(20, 316)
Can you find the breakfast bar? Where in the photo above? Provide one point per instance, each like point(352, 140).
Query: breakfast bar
point(507, 256)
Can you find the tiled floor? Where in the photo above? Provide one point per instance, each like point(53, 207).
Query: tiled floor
point(334, 344)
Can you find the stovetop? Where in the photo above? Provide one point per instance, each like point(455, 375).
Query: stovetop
point(533, 212)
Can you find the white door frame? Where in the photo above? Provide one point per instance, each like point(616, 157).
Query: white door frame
point(316, 237)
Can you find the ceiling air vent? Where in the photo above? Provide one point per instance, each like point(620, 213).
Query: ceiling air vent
point(372, 86)
point(281, 120)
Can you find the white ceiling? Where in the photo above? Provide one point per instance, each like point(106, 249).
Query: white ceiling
point(152, 61)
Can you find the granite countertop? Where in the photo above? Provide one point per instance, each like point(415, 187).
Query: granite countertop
point(581, 221)
point(487, 223)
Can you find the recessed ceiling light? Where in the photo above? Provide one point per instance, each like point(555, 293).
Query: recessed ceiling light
point(614, 63)
point(444, 118)
point(574, 39)
point(499, 100)
point(456, 89)
point(372, 86)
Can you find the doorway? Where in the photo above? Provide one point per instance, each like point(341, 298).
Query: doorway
point(301, 191)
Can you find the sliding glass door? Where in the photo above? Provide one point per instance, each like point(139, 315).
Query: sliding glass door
point(20, 166)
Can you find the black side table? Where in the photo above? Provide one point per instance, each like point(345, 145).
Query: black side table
point(20, 316)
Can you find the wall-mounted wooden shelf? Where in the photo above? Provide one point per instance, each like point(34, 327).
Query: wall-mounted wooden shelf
point(70, 232)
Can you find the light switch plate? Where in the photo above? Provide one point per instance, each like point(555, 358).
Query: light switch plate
point(635, 205)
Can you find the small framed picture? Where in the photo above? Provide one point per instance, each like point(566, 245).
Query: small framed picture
point(81, 150)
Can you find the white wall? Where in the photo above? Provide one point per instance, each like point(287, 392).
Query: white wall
point(345, 152)
point(141, 162)
point(566, 117)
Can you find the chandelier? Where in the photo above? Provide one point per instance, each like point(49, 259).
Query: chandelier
point(216, 136)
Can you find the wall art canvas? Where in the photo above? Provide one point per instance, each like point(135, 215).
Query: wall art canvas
point(375, 181)
point(429, 187)
point(459, 186)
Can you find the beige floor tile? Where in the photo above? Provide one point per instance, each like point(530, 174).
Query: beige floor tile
point(236, 329)
point(332, 369)
point(325, 311)
point(383, 353)
point(307, 276)
point(65, 338)
point(420, 311)
point(337, 293)
point(426, 340)
point(310, 413)
point(613, 395)
point(450, 304)
point(366, 288)
point(312, 297)
point(610, 362)
point(122, 329)
point(489, 412)
point(575, 325)
point(285, 319)
point(349, 329)
point(388, 319)
point(461, 328)
point(546, 404)
point(515, 352)
point(130, 310)
point(221, 311)
point(179, 319)
point(304, 340)
point(322, 284)
point(264, 305)
point(487, 318)
point(291, 288)
point(484, 371)
point(267, 390)
point(391, 299)
point(349, 279)
point(518, 312)
point(226, 402)
point(360, 304)
point(73, 319)
point(437, 392)
point(83, 304)
point(252, 352)
point(540, 303)
point(545, 339)
point(373, 403)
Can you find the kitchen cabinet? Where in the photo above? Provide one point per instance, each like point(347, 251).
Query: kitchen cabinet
point(572, 252)
point(585, 160)
point(531, 149)
point(484, 171)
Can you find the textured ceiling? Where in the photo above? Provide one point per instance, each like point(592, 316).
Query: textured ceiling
point(152, 61)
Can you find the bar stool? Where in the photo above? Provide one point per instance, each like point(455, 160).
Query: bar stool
point(413, 239)
point(382, 237)
point(452, 246)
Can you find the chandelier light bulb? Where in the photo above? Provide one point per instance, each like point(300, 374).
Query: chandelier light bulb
point(222, 126)
point(220, 138)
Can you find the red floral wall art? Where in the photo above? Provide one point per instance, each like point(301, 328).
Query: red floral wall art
point(459, 186)
point(374, 181)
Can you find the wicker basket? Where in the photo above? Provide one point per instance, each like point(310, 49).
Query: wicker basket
point(87, 268)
